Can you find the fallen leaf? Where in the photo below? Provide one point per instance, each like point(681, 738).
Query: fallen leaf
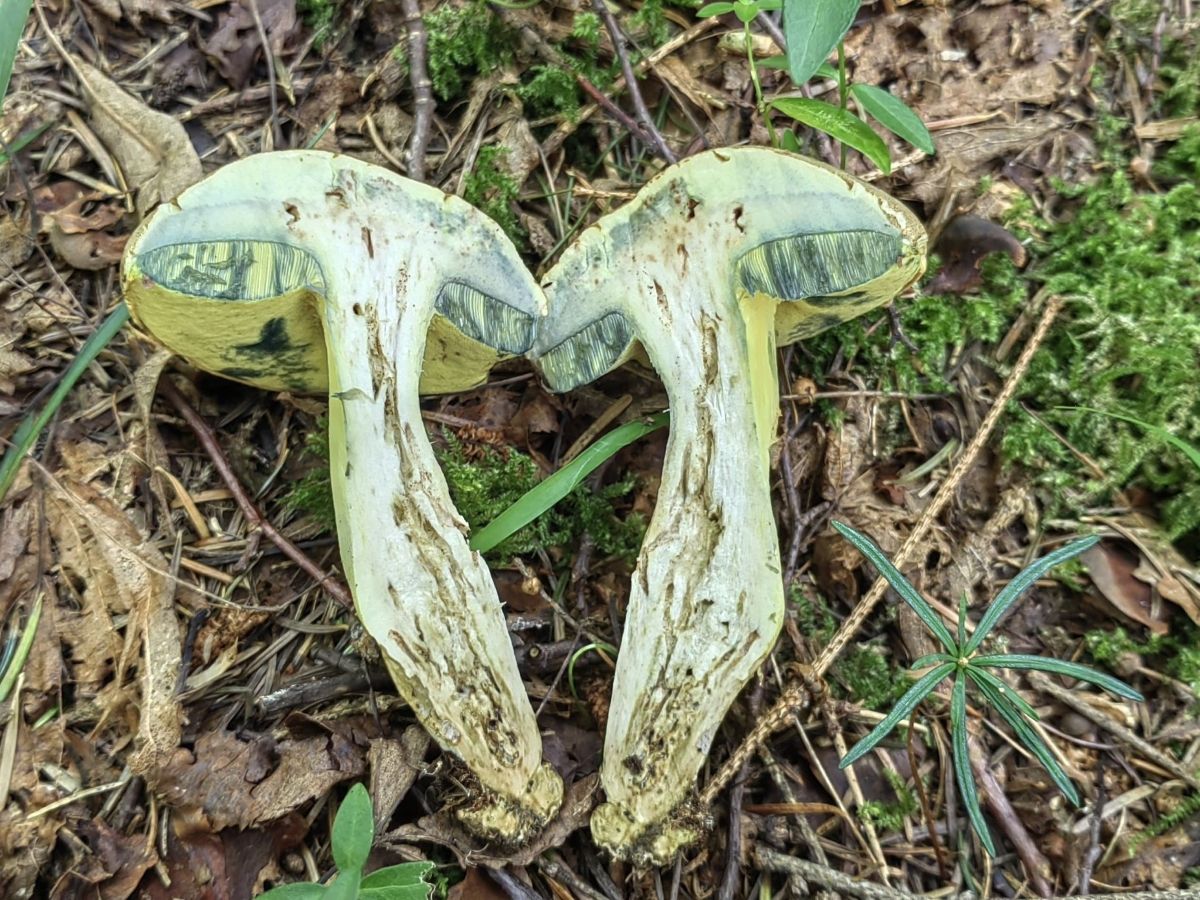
point(476, 886)
point(155, 154)
point(225, 782)
point(90, 251)
point(1113, 574)
point(117, 861)
point(235, 44)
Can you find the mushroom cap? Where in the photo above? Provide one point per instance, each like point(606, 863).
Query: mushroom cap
point(223, 277)
point(820, 244)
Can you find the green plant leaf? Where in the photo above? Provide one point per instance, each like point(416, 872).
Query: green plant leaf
point(9, 674)
point(962, 620)
point(893, 114)
point(900, 711)
point(714, 9)
point(295, 892)
point(420, 891)
point(929, 659)
point(900, 585)
point(345, 887)
point(1029, 738)
point(812, 29)
point(556, 486)
point(31, 426)
point(1059, 667)
point(403, 875)
point(1162, 434)
point(839, 124)
point(598, 646)
point(13, 14)
point(353, 830)
point(962, 762)
point(1005, 691)
point(1021, 583)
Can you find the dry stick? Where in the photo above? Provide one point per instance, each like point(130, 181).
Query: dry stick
point(613, 110)
point(1156, 756)
point(621, 48)
point(774, 861)
point(208, 441)
point(796, 696)
point(567, 128)
point(276, 133)
point(422, 87)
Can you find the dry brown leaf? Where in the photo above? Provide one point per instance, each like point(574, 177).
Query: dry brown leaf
point(154, 152)
point(225, 782)
point(120, 573)
point(1113, 574)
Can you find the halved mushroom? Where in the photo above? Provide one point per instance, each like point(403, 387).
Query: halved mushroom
point(314, 272)
point(715, 262)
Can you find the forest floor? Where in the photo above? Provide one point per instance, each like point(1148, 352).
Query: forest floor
point(193, 707)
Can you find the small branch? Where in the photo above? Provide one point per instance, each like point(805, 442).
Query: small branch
point(613, 110)
point(208, 441)
point(621, 48)
point(803, 870)
point(422, 87)
point(276, 134)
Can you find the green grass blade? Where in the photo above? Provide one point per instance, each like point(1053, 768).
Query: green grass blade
point(904, 706)
point(1059, 667)
point(551, 490)
point(1004, 690)
point(33, 423)
point(13, 14)
point(1021, 583)
point(22, 141)
point(892, 113)
point(840, 125)
point(1156, 431)
point(900, 585)
point(8, 675)
point(962, 763)
point(1031, 740)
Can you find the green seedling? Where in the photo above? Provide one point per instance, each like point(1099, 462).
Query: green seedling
point(961, 657)
point(351, 840)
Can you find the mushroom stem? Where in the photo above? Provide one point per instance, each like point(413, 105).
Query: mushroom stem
point(313, 272)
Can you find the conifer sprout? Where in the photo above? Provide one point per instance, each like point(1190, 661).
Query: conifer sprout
point(308, 271)
point(717, 261)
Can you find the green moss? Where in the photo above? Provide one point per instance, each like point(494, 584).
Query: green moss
point(550, 90)
point(1177, 654)
point(649, 24)
point(812, 615)
point(318, 15)
point(868, 678)
point(484, 485)
point(891, 816)
point(465, 41)
point(494, 192)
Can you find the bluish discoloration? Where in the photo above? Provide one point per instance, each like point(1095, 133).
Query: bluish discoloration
point(809, 266)
point(587, 354)
point(233, 269)
point(485, 319)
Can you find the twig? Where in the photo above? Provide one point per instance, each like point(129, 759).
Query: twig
point(621, 48)
point(774, 861)
point(422, 87)
point(1036, 865)
point(276, 134)
point(731, 880)
point(797, 694)
point(613, 110)
point(208, 441)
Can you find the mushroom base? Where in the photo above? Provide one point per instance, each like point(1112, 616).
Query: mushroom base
point(515, 821)
point(649, 844)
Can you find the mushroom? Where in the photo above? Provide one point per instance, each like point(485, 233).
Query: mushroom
point(717, 261)
point(309, 271)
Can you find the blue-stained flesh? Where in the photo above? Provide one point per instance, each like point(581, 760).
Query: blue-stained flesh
point(588, 353)
point(233, 270)
point(810, 266)
point(486, 319)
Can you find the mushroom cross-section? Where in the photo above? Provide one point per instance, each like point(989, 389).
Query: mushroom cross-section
point(715, 262)
point(308, 271)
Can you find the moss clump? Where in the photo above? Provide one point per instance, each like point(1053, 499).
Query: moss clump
point(464, 41)
point(494, 191)
point(813, 616)
point(891, 816)
point(483, 485)
point(318, 16)
point(549, 90)
point(868, 678)
point(1176, 654)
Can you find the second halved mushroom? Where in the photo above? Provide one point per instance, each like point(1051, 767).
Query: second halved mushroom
point(714, 263)
point(308, 271)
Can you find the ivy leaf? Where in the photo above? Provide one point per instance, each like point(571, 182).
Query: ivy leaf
point(893, 114)
point(813, 28)
point(839, 124)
